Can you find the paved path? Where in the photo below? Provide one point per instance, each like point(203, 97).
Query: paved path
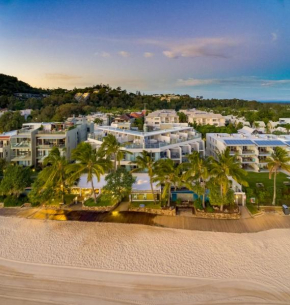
point(243, 225)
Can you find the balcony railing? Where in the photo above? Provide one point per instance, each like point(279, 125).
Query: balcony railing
point(50, 146)
point(248, 152)
point(20, 145)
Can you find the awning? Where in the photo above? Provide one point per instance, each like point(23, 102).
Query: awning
point(52, 137)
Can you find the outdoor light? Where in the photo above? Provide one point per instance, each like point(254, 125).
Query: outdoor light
point(115, 213)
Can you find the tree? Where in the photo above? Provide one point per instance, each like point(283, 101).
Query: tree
point(278, 160)
point(119, 184)
point(182, 117)
point(256, 124)
point(88, 162)
point(145, 162)
point(216, 197)
point(11, 121)
point(197, 172)
point(287, 127)
point(227, 166)
point(167, 174)
point(16, 179)
point(98, 121)
point(111, 147)
point(54, 173)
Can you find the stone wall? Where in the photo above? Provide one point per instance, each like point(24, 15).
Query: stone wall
point(166, 212)
point(217, 215)
point(98, 209)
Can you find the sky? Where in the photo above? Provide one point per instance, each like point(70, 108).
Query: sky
point(213, 48)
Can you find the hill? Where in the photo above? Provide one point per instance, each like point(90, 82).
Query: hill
point(10, 85)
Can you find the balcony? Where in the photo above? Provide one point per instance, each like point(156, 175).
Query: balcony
point(248, 152)
point(24, 157)
point(50, 146)
point(21, 145)
point(264, 153)
point(234, 152)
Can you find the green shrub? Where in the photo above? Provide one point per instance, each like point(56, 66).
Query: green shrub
point(178, 201)
point(209, 209)
point(90, 202)
point(198, 204)
point(13, 201)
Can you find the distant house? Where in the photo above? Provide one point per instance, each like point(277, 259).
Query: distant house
point(82, 96)
point(204, 118)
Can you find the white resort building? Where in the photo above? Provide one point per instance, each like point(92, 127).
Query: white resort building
point(158, 117)
point(173, 143)
point(251, 149)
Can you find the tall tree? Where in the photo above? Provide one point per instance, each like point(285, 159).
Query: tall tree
point(111, 147)
point(119, 184)
point(278, 160)
point(54, 172)
point(197, 172)
point(146, 162)
point(227, 166)
point(167, 174)
point(89, 162)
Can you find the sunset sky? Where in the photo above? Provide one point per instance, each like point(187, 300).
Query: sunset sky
point(214, 48)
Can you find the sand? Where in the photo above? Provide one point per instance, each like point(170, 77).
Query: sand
point(236, 261)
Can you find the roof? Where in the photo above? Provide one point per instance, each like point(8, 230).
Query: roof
point(143, 134)
point(239, 142)
point(269, 143)
point(142, 182)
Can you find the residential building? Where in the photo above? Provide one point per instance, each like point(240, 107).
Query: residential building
point(173, 143)
point(284, 121)
point(158, 117)
point(204, 118)
point(5, 138)
point(251, 150)
point(31, 144)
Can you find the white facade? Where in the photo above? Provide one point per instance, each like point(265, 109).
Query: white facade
point(251, 150)
point(174, 143)
point(203, 117)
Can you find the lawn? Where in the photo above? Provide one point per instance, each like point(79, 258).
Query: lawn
point(283, 191)
point(254, 178)
point(148, 204)
point(252, 208)
point(102, 201)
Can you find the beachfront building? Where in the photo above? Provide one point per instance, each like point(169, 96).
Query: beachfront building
point(158, 117)
point(173, 143)
point(203, 117)
point(30, 145)
point(141, 189)
point(252, 150)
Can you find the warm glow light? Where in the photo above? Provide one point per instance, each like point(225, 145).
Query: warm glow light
point(115, 213)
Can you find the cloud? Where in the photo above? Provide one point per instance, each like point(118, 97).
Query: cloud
point(274, 36)
point(124, 54)
point(148, 54)
point(234, 81)
point(60, 76)
point(196, 82)
point(103, 54)
point(203, 47)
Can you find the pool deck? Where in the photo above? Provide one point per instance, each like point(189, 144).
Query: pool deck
point(246, 224)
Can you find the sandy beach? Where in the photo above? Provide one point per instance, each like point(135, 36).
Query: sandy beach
point(188, 267)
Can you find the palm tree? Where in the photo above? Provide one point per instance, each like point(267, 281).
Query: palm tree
point(111, 147)
point(166, 173)
point(279, 160)
point(145, 162)
point(197, 172)
point(89, 162)
point(227, 166)
point(54, 173)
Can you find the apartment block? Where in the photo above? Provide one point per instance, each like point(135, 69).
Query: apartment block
point(203, 117)
point(173, 143)
point(252, 150)
point(5, 139)
point(158, 117)
point(33, 143)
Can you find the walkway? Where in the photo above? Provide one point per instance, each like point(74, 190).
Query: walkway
point(243, 225)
